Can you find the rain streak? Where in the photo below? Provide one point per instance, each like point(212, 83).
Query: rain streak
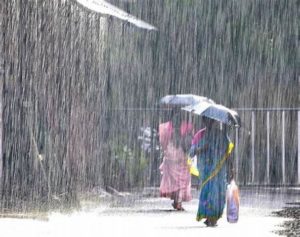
point(81, 83)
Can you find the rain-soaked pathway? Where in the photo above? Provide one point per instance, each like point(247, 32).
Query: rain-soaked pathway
point(131, 216)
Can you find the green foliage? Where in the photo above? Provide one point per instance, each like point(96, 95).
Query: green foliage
point(128, 167)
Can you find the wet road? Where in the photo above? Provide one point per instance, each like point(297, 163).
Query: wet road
point(132, 216)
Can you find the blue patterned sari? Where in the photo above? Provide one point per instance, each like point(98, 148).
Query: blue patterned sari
point(212, 148)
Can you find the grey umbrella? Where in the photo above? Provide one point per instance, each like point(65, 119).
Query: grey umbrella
point(215, 111)
point(183, 99)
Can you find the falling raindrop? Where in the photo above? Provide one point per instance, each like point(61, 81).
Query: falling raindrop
point(77, 86)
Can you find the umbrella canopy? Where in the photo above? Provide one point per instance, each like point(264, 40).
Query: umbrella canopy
point(215, 111)
point(183, 99)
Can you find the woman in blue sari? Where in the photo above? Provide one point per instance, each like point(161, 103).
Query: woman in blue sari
point(210, 151)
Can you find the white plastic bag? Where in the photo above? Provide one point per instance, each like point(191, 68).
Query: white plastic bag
point(232, 202)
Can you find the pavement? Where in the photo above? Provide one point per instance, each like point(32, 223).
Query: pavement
point(145, 214)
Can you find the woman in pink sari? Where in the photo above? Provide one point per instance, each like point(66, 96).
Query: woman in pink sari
point(176, 178)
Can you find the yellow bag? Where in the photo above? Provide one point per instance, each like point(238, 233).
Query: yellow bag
point(192, 163)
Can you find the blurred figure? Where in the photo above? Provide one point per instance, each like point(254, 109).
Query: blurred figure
point(211, 153)
point(176, 179)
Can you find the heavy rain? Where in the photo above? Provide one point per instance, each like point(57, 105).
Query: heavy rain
point(80, 88)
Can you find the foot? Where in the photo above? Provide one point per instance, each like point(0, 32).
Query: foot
point(210, 223)
point(206, 222)
point(177, 206)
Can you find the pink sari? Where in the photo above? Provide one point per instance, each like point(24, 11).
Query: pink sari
point(176, 178)
point(165, 133)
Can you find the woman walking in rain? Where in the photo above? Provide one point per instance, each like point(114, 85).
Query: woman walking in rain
point(176, 179)
point(211, 153)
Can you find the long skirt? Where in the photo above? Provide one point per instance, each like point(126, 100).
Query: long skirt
point(176, 179)
point(212, 199)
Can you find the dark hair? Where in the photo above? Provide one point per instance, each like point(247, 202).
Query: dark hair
point(183, 141)
point(207, 121)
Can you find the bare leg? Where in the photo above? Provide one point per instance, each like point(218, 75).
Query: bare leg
point(174, 197)
point(177, 204)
